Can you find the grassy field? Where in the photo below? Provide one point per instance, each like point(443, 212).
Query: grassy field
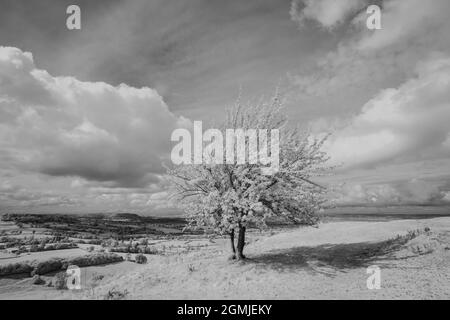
point(296, 263)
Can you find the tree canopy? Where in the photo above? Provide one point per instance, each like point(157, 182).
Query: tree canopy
point(226, 197)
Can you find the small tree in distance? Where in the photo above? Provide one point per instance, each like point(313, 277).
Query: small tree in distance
point(228, 198)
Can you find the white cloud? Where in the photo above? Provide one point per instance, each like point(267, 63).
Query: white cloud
point(403, 21)
point(410, 192)
point(410, 121)
point(329, 13)
point(60, 126)
point(385, 91)
point(366, 61)
point(13, 194)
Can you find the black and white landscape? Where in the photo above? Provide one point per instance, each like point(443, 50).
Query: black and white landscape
point(115, 175)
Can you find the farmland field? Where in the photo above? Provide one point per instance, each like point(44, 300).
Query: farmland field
point(283, 263)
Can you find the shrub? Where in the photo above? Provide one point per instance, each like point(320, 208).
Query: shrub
point(140, 258)
point(62, 246)
point(15, 268)
point(92, 260)
point(116, 294)
point(128, 249)
point(94, 241)
point(47, 266)
point(60, 281)
point(191, 268)
point(22, 249)
point(98, 277)
point(149, 250)
point(37, 280)
point(55, 264)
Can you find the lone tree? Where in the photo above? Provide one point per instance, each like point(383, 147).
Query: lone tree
point(228, 198)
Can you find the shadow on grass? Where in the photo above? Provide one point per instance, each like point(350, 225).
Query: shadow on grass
point(327, 258)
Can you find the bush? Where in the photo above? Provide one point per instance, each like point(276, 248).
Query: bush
point(149, 250)
point(191, 268)
point(15, 268)
point(140, 258)
point(62, 246)
point(98, 277)
point(22, 249)
point(92, 260)
point(47, 266)
point(55, 264)
point(60, 281)
point(129, 249)
point(37, 280)
point(116, 295)
point(49, 247)
point(94, 241)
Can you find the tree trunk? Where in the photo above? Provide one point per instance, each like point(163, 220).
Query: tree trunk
point(241, 243)
point(233, 256)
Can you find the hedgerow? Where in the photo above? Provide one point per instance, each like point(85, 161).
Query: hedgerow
point(55, 264)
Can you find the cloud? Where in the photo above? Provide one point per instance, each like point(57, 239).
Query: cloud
point(328, 13)
point(60, 126)
point(13, 194)
point(384, 91)
point(410, 121)
point(412, 192)
point(404, 21)
point(366, 61)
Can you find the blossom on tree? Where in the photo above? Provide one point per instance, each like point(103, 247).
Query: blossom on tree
point(228, 198)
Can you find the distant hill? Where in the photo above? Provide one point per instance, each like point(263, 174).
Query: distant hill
point(127, 216)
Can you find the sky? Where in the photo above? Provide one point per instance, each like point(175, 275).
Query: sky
point(86, 115)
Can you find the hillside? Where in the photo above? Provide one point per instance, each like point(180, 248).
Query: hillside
point(304, 263)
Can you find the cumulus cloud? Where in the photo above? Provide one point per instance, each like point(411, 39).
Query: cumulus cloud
point(386, 95)
point(386, 91)
point(366, 60)
point(328, 13)
point(60, 126)
point(412, 120)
